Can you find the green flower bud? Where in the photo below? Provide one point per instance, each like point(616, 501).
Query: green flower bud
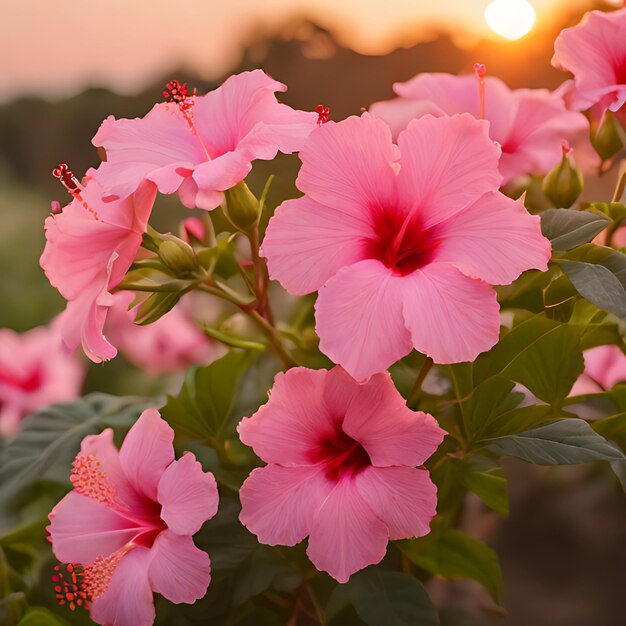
point(605, 137)
point(178, 255)
point(241, 208)
point(564, 183)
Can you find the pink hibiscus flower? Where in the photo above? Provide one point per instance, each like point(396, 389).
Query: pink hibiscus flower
point(399, 239)
point(90, 246)
point(126, 528)
point(342, 468)
point(605, 366)
point(200, 146)
point(594, 51)
point(529, 124)
point(35, 371)
point(171, 344)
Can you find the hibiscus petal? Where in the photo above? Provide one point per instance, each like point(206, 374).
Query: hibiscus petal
point(359, 319)
point(128, 599)
point(495, 239)
point(292, 422)
point(378, 418)
point(349, 166)
point(279, 504)
point(452, 318)
point(347, 535)
point(179, 570)
point(139, 146)
point(403, 497)
point(146, 452)
point(81, 529)
point(187, 494)
point(446, 164)
point(306, 243)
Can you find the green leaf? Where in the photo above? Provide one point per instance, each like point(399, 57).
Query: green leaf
point(265, 568)
point(612, 428)
point(568, 228)
point(384, 598)
point(615, 210)
point(597, 284)
point(550, 365)
point(205, 400)
point(562, 442)
point(38, 616)
point(452, 554)
point(490, 486)
point(50, 439)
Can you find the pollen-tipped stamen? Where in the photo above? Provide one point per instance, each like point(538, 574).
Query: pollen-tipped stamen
point(323, 114)
point(480, 69)
point(178, 94)
point(89, 480)
point(66, 177)
point(69, 589)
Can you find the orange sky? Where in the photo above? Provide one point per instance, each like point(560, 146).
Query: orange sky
point(56, 48)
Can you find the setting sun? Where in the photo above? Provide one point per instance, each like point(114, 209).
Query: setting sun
point(511, 19)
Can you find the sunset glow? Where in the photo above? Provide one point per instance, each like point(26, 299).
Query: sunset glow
point(511, 19)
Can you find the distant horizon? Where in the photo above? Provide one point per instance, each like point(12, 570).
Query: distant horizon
point(55, 54)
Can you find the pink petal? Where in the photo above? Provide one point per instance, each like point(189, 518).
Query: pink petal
point(347, 535)
point(187, 494)
point(359, 319)
point(136, 148)
point(146, 452)
point(128, 599)
point(446, 164)
point(279, 504)
point(378, 418)
point(179, 571)
point(605, 365)
point(452, 318)
point(350, 166)
point(103, 449)
point(403, 497)
point(290, 425)
point(82, 528)
point(306, 243)
point(398, 112)
point(495, 239)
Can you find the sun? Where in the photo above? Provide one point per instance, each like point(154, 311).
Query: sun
point(511, 19)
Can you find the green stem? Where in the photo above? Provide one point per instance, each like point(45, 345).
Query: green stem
point(416, 391)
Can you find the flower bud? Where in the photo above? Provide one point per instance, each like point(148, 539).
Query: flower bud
point(178, 255)
point(564, 183)
point(605, 137)
point(240, 207)
point(193, 230)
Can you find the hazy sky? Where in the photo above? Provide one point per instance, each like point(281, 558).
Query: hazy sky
point(56, 48)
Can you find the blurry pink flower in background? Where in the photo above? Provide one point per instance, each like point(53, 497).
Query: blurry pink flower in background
point(605, 366)
point(88, 251)
point(342, 468)
point(35, 370)
point(129, 523)
point(529, 124)
point(594, 51)
point(200, 146)
point(401, 240)
point(171, 344)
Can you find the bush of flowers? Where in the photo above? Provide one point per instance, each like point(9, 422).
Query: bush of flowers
point(437, 297)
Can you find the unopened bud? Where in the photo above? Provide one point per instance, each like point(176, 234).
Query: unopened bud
point(193, 230)
point(564, 183)
point(178, 255)
point(605, 137)
point(241, 208)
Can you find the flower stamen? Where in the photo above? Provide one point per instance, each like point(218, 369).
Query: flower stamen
point(89, 480)
point(68, 586)
point(480, 69)
point(323, 114)
point(70, 182)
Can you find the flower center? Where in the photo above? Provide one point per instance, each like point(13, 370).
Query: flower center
point(401, 243)
point(29, 382)
point(341, 455)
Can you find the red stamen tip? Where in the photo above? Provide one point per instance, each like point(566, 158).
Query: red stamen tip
point(567, 149)
point(69, 588)
point(67, 178)
point(323, 114)
point(179, 95)
point(55, 207)
point(480, 69)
